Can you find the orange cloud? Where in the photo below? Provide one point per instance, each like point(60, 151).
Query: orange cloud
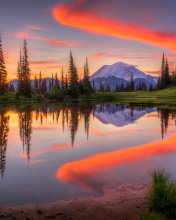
point(73, 15)
point(29, 27)
point(154, 73)
point(50, 41)
point(79, 171)
point(97, 56)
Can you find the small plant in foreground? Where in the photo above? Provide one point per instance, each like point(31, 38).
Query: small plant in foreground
point(151, 216)
point(162, 197)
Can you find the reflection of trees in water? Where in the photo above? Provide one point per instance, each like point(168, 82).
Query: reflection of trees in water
point(70, 115)
point(74, 120)
point(165, 115)
point(25, 126)
point(85, 111)
point(4, 129)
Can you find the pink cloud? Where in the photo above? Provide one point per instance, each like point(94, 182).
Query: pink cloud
point(48, 40)
point(74, 16)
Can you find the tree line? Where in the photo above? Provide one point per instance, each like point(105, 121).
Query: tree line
point(71, 85)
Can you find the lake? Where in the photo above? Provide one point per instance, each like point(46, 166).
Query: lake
point(55, 151)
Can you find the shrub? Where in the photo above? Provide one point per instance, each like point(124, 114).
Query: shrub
point(162, 197)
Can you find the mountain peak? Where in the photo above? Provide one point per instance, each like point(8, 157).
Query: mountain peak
point(119, 70)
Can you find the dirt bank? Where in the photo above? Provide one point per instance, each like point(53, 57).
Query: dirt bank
point(123, 202)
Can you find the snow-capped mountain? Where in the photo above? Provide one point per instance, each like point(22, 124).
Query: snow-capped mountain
point(120, 115)
point(121, 72)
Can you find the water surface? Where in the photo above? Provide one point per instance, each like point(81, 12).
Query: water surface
point(50, 152)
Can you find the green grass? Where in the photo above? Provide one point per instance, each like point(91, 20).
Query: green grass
point(161, 97)
point(151, 216)
point(161, 198)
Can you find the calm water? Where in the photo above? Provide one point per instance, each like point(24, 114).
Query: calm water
point(50, 152)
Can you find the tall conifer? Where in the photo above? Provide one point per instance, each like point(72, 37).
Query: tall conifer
point(3, 72)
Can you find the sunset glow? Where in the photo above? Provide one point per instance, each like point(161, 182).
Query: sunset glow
point(79, 171)
point(104, 32)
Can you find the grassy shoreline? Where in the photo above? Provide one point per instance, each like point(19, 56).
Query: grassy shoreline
point(161, 97)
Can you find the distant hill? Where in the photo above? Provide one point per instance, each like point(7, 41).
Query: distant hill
point(121, 72)
point(15, 82)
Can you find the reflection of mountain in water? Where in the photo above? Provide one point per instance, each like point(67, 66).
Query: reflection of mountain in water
point(119, 115)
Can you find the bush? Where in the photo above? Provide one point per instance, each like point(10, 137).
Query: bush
point(55, 95)
point(162, 197)
point(151, 216)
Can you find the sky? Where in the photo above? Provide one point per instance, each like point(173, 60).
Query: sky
point(135, 32)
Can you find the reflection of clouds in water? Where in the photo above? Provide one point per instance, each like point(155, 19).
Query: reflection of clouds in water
point(78, 172)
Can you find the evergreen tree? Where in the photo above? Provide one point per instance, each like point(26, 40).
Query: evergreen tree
point(167, 77)
point(117, 88)
point(137, 88)
point(44, 87)
point(56, 85)
point(62, 80)
point(3, 72)
point(131, 84)
point(121, 88)
point(158, 85)
point(173, 78)
point(50, 87)
point(101, 87)
point(163, 72)
point(93, 89)
point(52, 83)
point(36, 84)
point(40, 83)
point(73, 78)
point(151, 88)
point(86, 81)
point(66, 84)
point(20, 75)
point(11, 88)
point(81, 87)
point(26, 71)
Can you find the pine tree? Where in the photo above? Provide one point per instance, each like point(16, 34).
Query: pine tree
point(131, 84)
point(158, 85)
point(11, 88)
point(20, 75)
point(151, 88)
point(56, 85)
point(27, 71)
point(86, 81)
point(73, 78)
point(50, 87)
point(52, 83)
point(24, 73)
point(44, 87)
point(167, 77)
point(101, 87)
point(40, 83)
point(117, 88)
point(66, 84)
point(163, 73)
point(3, 72)
point(36, 84)
point(121, 88)
point(62, 82)
point(173, 77)
point(93, 89)
point(81, 87)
